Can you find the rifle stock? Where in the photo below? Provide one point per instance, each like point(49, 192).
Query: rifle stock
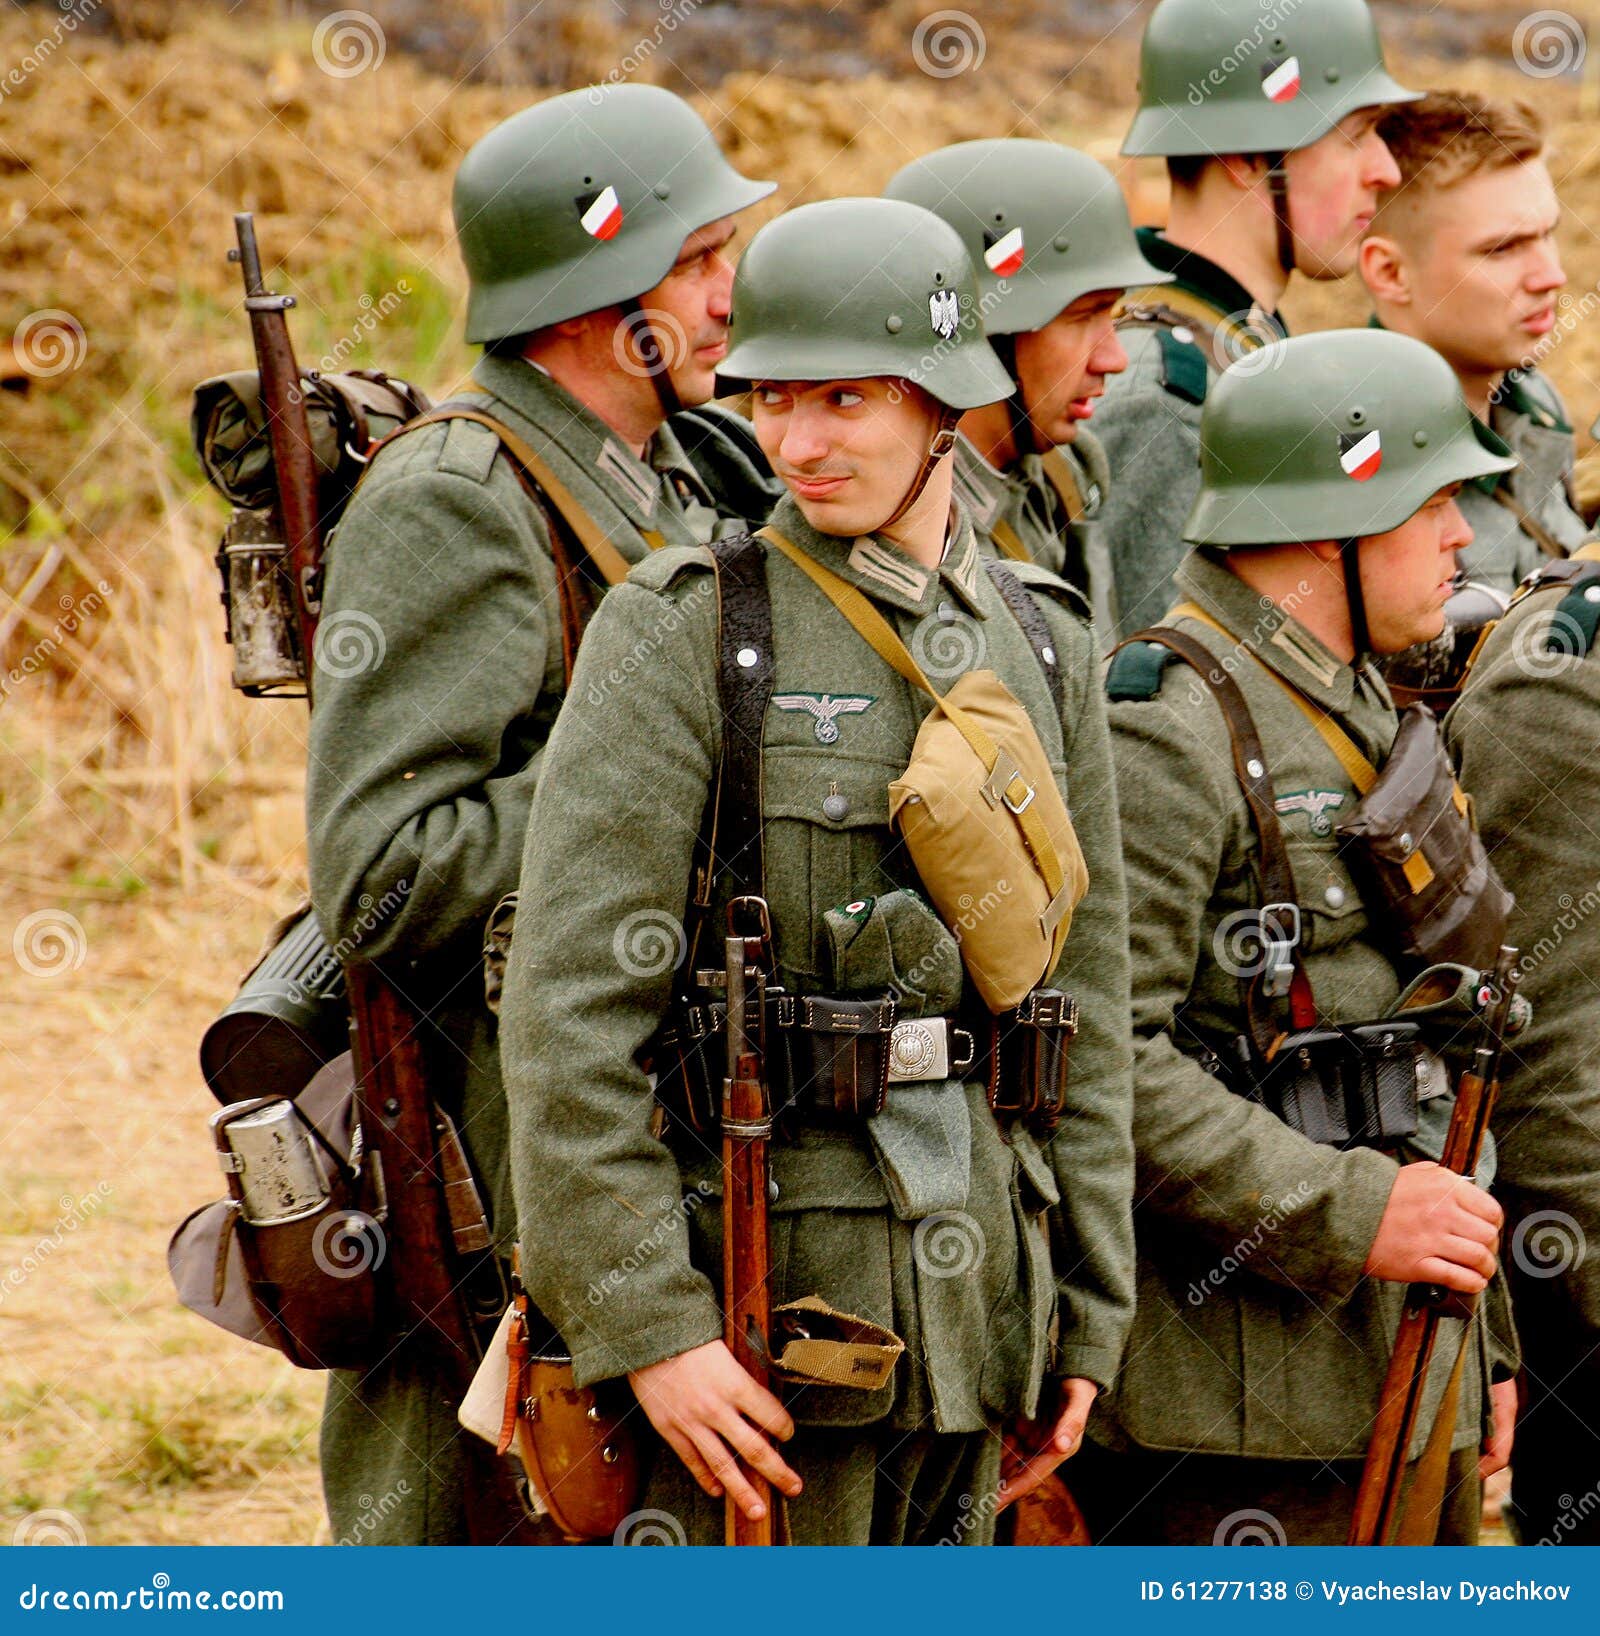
point(444, 1294)
point(1378, 1498)
point(746, 1131)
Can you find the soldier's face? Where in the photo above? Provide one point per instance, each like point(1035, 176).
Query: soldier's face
point(1334, 189)
point(846, 450)
point(1474, 267)
point(1406, 574)
point(688, 310)
point(1063, 367)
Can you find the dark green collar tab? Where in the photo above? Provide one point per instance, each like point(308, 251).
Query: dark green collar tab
point(1183, 366)
point(1200, 276)
point(1135, 672)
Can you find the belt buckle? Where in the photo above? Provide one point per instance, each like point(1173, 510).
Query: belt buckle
point(1277, 952)
point(919, 1049)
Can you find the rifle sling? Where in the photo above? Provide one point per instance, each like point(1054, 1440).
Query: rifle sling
point(1529, 524)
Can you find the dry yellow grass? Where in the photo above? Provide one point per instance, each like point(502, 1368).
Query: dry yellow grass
point(150, 817)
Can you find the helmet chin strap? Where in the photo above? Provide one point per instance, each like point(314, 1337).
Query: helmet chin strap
point(1022, 433)
point(939, 445)
point(652, 357)
point(1278, 184)
point(1350, 557)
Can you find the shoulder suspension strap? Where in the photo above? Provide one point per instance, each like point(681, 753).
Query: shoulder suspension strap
point(1255, 780)
point(1529, 524)
point(1064, 482)
point(611, 563)
point(729, 839)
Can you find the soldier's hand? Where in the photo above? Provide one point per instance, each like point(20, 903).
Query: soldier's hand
point(1037, 1449)
point(1437, 1228)
point(1497, 1448)
point(712, 1414)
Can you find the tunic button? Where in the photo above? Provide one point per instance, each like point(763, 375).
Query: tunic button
point(1183, 335)
point(945, 614)
point(747, 657)
point(1334, 897)
point(1048, 655)
point(1592, 594)
point(1254, 768)
point(835, 808)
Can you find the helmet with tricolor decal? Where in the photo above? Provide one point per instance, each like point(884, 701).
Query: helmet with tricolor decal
point(1255, 76)
point(1339, 435)
point(583, 202)
point(1043, 223)
point(847, 289)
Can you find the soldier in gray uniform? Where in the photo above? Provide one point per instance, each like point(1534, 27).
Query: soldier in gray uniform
point(1266, 115)
point(1273, 1262)
point(1463, 255)
point(1524, 733)
point(601, 296)
point(1000, 1254)
point(1049, 233)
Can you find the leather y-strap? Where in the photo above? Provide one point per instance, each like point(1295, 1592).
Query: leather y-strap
point(610, 562)
point(1019, 599)
point(729, 840)
point(1346, 751)
point(880, 636)
point(1064, 481)
point(1008, 542)
point(1166, 306)
point(1255, 779)
point(1528, 523)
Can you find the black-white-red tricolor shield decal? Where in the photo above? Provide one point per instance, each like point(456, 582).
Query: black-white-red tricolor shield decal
point(1361, 454)
point(1280, 81)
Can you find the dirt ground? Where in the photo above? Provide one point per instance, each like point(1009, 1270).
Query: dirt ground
point(149, 818)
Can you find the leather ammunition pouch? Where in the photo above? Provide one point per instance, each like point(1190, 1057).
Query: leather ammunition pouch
point(828, 1061)
point(1027, 1060)
point(1412, 845)
point(1345, 1086)
point(836, 1061)
point(290, 1258)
